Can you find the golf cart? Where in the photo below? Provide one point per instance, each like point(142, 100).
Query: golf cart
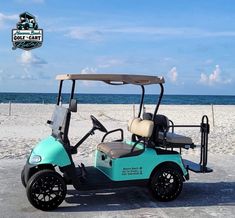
point(27, 21)
point(148, 159)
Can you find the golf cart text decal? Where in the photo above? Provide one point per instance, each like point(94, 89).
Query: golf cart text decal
point(128, 171)
point(27, 36)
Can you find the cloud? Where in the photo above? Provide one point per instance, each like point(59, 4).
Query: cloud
point(179, 31)
point(110, 62)
point(98, 33)
point(27, 75)
point(89, 34)
point(4, 19)
point(88, 70)
point(29, 59)
point(6, 76)
point(213, 78)
point(173, 75)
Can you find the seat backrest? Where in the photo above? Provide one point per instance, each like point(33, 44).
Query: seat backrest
point(161, 122)
point(141, 127)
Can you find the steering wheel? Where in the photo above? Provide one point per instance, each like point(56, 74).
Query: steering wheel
point(97, 125)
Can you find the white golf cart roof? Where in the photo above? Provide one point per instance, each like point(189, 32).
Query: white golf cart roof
point(115, 79)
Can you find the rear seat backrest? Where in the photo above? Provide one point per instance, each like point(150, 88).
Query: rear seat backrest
point(141, 127)
point(160, 121)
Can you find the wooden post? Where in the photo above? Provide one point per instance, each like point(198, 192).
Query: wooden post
point(9, 111)
point(213, 115)
point(133, 110)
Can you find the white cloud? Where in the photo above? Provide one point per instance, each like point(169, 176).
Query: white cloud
point(88, 70)
point(28, 58)
point(173, 75)
point(97, 33)
point(213, 78)
point(110, 62)
point(203, 78)
point(89, 34)
point(7, 18)
point(27, 75)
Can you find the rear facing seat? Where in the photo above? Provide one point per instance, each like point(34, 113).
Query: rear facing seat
point(175, 138)
point(161, 123)
point(137, 126)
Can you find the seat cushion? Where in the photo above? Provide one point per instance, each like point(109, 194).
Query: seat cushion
point(116, 149)
point(175, 138)
point(141, 127)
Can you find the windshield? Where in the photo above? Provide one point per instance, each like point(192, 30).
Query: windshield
point(60, 122)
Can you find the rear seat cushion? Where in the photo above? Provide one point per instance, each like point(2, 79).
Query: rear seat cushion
point(116, 149)
point(141, 127)
point(175, 138)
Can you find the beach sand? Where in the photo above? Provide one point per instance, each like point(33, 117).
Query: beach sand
point(204, 195)
point(27, 125)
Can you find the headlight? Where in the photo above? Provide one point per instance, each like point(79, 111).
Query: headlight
point(35, 159)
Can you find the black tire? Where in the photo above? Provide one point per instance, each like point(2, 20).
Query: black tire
point(26, 26)
point(23, 178)
point(46, 190)
point(166, 183)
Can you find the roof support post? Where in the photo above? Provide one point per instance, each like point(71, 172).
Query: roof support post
point(59, 94)
point(142, 100)
point(159, 101)
point(72, 90)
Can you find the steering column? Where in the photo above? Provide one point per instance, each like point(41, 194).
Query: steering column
point(96, 126)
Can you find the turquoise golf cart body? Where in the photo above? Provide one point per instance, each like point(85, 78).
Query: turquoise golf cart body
point(147, 159)
point(44, 154)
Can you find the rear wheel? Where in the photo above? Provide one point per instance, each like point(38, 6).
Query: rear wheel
point(46, 190)
point(166, 184)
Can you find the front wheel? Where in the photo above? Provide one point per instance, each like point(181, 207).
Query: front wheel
point(46, 190)
point(166, 184)
point(23, 178)
point(26, 26)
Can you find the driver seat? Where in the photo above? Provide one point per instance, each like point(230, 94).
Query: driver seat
point(137, 126)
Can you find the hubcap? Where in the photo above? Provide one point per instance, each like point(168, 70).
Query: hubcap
point(165, 183)
point(47, 188)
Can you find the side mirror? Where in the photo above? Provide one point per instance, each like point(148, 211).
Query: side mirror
point(73, 105)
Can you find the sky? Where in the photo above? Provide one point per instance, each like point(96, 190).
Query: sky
point(190, 43)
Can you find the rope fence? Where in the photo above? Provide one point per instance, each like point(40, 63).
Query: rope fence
point(130, 110)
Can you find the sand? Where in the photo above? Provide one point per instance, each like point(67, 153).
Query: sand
point(27, 125)
point(204, 195)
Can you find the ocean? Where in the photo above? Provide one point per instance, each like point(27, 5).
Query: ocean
point(50, 98)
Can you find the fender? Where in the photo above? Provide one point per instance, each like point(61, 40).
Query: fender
point(49, 151)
